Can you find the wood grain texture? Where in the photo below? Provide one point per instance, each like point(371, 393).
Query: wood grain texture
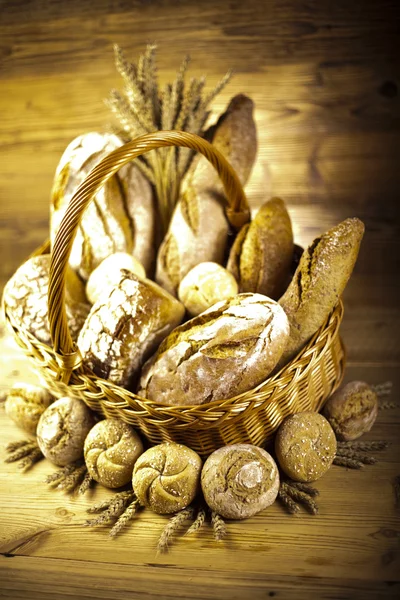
point(324, 78)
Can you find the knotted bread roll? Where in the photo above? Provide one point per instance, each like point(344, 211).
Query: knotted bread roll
point(111, 449)
point(62, 430)
point(166, 478)
point(227, 350)
point(305, 446)
point(239, 481)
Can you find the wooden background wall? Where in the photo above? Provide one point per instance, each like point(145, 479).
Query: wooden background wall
point(324, 76)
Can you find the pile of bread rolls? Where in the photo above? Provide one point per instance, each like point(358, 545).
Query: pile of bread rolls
point(205, 315)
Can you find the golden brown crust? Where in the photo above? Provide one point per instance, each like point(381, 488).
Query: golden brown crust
point(239, 481)
point(319, 281)
point(352, 410)
point(305, 446)
point(25, 403)
point(261, 256)
point(225, 351)
point(166, 478)
point(111, 449)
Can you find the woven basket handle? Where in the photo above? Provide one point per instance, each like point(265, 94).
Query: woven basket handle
point(237, 212)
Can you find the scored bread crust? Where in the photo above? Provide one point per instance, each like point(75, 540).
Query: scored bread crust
point(227, 350)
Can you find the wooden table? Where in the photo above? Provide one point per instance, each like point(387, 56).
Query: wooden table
point(324, 78)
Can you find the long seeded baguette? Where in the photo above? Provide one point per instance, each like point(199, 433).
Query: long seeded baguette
point(262, 253)
point(198, 229)
point(319, 281)
point(120, 217)
point(227, 350)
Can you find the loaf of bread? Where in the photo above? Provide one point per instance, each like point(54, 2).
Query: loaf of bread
point(25, 403)
point(120, 217)
point(319, 281)
point(111, 449)
point(227, 350)
point(125, 327)
point(206, 284)
point(166, 478)
point(198, 231)
point(262, 253)
point(25, 297)
point(108, 274)
point(239, 481)
point(62, 430)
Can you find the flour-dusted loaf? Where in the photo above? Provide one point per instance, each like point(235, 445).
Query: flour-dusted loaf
point(120, 217)
point(108, 274)
point(239, 481)
point(111, 449)
point(225, 351)
point(198, 231)
point(125, 327)
point(25, 297)
point(319, 281)
point(262, 253)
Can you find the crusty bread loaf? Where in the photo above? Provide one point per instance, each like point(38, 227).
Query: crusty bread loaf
point(262, 253)
point(198, 231)
point(125, 327)
point(25, 297)
point(121, 216)
point(225, 351)
point(319, 281)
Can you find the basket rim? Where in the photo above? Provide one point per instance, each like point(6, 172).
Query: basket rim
point(82, 379)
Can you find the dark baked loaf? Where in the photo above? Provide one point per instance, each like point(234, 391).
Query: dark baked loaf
point(262, 253)
point(319, 281)
point(125, 326)
point(121, 216)
point(225, 351)
point(198, 231)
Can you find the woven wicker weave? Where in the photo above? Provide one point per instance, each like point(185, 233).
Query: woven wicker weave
point(304, 384)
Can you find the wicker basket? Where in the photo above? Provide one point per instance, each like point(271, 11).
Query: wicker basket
point(252, 417)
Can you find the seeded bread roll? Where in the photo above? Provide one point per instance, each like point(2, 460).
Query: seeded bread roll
point(62, 430)
point(198, 231)
point(25, 403)
point(305, 446)
point(239, 481)
point(262, 253)
point(125, 327)
point(319, 281)
point(121, 216)
point(25, 296)
point(111, 449)
point(227, 350)
point(352, 410)
point(166, 478)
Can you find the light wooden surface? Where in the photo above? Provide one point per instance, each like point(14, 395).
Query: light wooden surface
point(324, 77)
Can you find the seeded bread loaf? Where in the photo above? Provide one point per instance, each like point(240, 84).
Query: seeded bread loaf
point(120, 218)
point(125, 327)
point(25, 297)
point(199, 229)
point(262, 253)
point(227, 350)
point(319, 281)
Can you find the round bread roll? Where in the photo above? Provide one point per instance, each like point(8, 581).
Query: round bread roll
point(305, 446)
point(62, 430)
point(352, 410)
point(25, 403)
point(111, 449)
point(204, 285)
point(227, 350)
point(166, 478)
point(239, 481)
point(108, 274)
